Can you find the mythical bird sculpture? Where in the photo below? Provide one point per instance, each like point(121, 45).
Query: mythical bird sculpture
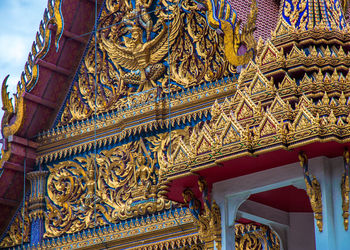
point(144, 57)
point(222, 18)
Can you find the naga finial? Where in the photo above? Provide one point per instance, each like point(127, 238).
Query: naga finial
point(223, 19)
point(7, 105)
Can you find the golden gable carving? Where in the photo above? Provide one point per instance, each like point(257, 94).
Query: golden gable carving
point(173, 46)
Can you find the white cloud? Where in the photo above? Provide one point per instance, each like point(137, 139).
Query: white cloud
point(19, 22)
point(13, 50)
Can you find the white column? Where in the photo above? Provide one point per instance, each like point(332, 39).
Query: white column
point(229, 207)
point(230, 194)
point(342, 236)
point(329, 172)
point(326, 238)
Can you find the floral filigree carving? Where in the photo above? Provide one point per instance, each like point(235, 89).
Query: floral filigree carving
point(113, 185)
point(19, 229)
point(250, 236)
point(144, 45)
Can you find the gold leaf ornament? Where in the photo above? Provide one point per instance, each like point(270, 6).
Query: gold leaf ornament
point(82, 194)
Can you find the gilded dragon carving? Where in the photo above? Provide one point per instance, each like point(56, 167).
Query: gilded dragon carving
point(222, 18)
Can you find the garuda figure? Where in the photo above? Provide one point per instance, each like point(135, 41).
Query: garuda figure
point(135, 54)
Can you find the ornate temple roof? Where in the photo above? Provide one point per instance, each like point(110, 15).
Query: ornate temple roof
point(295, 95)
point(55, 54)
point(206, 116)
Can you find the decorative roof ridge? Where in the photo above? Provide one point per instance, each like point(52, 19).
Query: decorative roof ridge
point(288, 83)
point(141, 106)
point(304, 124)
point(281, 29)
point(291, 104)
point(260, 83)
point(267, 46)
point(94, 234)
point(52, 17)
point(109, 139)
point(114, 138)
point(295, 57)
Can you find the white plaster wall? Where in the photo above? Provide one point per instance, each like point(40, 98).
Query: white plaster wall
point(301, 231)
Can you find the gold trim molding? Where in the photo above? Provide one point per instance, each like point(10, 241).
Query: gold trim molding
point(250, 236)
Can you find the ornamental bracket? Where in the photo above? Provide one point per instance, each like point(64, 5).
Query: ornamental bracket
point(313, 190)
point(206, 217)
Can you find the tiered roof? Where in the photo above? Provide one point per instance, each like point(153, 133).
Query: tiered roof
point(294, 95)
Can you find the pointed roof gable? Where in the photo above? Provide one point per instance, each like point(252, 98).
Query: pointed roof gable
point(128, 68)
point(193, 68)
point(54, 56)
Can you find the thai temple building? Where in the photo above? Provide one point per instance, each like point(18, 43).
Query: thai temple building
point(180, 124)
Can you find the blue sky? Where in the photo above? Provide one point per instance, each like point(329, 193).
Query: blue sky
point(19, 22)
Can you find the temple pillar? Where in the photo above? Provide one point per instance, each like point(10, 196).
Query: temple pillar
point(229, 207)
point(329, 173)
point(36, 205)
point(342, 232)
point(232, 197)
